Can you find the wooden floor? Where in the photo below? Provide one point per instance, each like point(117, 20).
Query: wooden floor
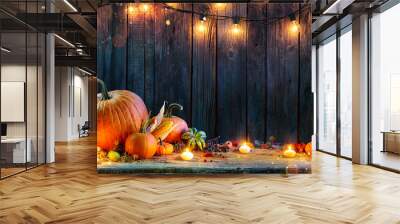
point(70, 191)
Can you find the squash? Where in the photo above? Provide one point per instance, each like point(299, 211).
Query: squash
point(300, 147)
point(163, 130)
point(143, 145)
point(119, 113)
point(164, 148)
point(180, 125)
point(308, 149)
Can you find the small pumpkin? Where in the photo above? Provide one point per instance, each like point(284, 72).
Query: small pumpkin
point(119, 113)
point(300, 147)
point(180, 125)
point(165, 148)
point(308, 149)
point(142, 144)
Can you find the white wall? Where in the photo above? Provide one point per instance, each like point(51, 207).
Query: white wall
point(71, 102)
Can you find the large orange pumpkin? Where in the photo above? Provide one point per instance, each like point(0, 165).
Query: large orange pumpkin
point(308, 149)
point(180, 124)
point(119, 113)
point(144, 145)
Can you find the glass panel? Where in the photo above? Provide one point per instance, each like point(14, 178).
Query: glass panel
point(346, 94)
point(13, 86)
point(327, 96)
point(385, 89)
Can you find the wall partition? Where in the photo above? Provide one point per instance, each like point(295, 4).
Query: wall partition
point(22, 99)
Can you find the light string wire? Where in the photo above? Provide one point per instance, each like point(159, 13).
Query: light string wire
point(266, 20)
point(244, 19)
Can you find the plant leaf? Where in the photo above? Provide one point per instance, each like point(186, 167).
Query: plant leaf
point(199, 145)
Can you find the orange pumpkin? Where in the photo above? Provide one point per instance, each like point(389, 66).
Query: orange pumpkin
point(308, 149)
point(119, 113)
point(144, 145)
point(300, 147)
point(165, 148)
point(180, 124)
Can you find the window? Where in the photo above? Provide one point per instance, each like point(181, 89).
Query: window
point(385, 89)
point(346, 92)
point(326, 66)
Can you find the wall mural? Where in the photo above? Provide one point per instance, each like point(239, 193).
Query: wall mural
point(204, 88)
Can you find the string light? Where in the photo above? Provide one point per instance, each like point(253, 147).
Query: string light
point(294, 27)
point(167, 22)
point(201, 27)
point(145, 7)
point(236, 28)
point(131, 10)
point(219, 5)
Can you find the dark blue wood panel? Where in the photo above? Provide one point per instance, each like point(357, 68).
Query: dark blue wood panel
point(204, 72)
point(173, 53)
point(231, 75)
point(256, 73)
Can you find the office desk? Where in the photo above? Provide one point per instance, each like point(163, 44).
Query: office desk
point(13, 150)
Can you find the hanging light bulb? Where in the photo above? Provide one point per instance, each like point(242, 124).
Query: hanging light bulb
point(145, 7)
point(236, 27)
point(201, 27)
point(294, 26)
point(219, 5)
point(131, 10)
point(167, 22)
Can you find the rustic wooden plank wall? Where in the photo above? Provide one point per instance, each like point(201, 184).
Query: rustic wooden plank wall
point(253, 84)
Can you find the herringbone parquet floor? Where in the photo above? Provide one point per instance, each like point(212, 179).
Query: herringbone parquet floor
point(70, 191)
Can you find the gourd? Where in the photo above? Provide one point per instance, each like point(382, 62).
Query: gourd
point(180, 124)
point(119, 113)
point(165, 148)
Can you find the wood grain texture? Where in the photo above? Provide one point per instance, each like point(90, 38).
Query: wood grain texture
point(245, 85)
point(136, 50)
point(306, 109)
point(231, 72)
point(173, 49)
point(70, 191)
point(256, 78)
point(204, 81)
point(282, 75)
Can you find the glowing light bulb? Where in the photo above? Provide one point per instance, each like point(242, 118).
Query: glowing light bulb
point(294, 27)
point(131, 10)
point(219, 5)
point(145, 7)
point(167, 22)
point(236, 28)
point(201, 27)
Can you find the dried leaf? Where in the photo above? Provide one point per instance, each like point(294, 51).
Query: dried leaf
point(157, 119)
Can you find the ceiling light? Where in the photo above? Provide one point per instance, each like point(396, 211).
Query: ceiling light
point(5, 50)
point(65, 41)
point(70, 5)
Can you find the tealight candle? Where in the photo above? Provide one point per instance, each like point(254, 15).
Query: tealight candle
point(289, 152)
point(244, 148)
point(187, 155)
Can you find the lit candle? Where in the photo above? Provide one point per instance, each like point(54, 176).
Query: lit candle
point(244, 148)
point(289, 152)
point(187, 155)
